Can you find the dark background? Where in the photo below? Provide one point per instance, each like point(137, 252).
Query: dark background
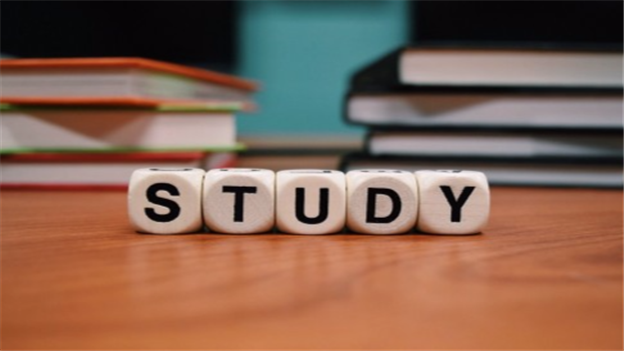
point(573, 23)
point(198, 33)
point(204, 33)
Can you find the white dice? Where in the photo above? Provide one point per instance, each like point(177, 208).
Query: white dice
point(307, 201)
point(381, 201)
point(239, 200)
point(166, 200)
point(310, 201)
point(453, 202)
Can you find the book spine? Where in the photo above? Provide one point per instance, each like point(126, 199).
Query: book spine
point(469, 124)
point(380, 75)
point(395, 88)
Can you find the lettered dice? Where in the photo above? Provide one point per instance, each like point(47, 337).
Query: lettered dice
point(381, 201)
point(165, 200)
point(453, 202)
point(310, 201)
point(239, 200)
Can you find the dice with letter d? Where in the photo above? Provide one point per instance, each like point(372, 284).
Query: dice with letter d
point(381, 201)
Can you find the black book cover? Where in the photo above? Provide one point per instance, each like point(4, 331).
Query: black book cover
point(383, 75)
point(363, 156)
point(566, 165)
point(541, 91)
point(604, 135)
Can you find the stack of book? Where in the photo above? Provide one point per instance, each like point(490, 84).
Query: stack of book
point(524, 116)
point(76, 123)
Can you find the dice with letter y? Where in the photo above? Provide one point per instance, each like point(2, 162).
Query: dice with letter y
point(239, 200)
point(381, 201)
point(310, 201)
point(165, 200)
point(453, 202)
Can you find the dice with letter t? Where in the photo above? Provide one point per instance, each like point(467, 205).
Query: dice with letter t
point(381, 201)
point(165, 200)
point(452, 202)
point(239, 200)
point(310, 201)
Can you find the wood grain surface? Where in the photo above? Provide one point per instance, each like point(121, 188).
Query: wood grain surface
point(546, 274)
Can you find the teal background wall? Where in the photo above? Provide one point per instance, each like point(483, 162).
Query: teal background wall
point(304, 52)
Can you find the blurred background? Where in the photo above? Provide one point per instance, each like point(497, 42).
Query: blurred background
point(303, 53)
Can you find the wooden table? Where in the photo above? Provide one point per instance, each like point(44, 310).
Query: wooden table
point(546, 274)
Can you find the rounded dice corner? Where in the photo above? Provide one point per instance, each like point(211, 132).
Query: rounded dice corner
point(308, 201)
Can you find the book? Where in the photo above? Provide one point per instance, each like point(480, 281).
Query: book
point(128, 81)
point(505, 171)
point(96, 171)
point(165, 128)
point(494, 66)
point(436, 108)
point(575, 146)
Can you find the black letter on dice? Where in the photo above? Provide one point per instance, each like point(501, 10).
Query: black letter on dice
point(300, 205)
point(456, 205)
point(174, 208)
point(239, 198)
point(371, 204)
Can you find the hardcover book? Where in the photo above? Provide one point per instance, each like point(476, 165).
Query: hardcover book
point(555, 145)
point(166, 128)
point(505, 171)
point(129, 81)
point(431, 108)
point(96, 171)
point(495, 66)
